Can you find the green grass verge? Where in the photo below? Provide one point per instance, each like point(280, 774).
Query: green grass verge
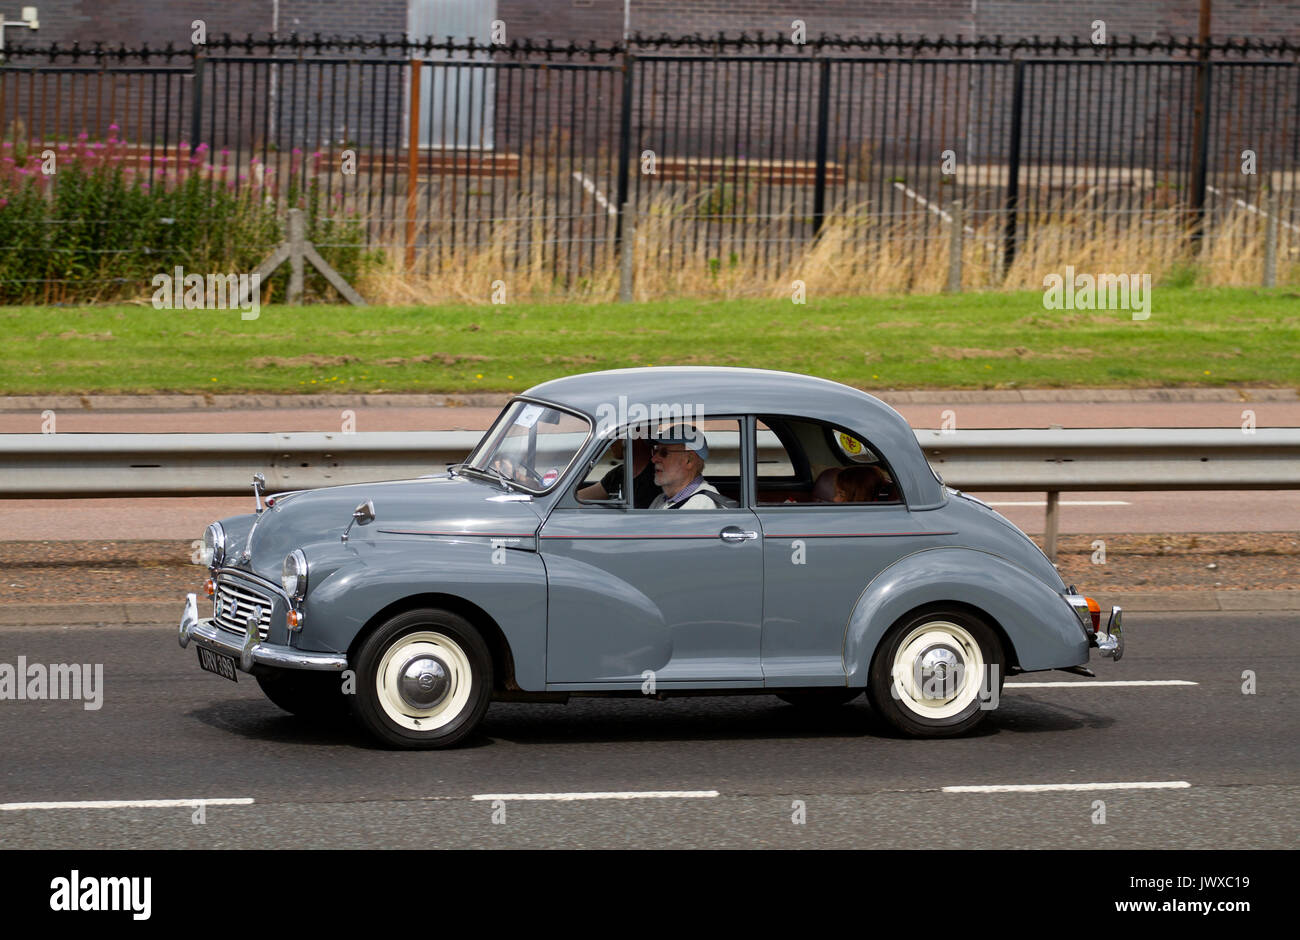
point(1206, 337)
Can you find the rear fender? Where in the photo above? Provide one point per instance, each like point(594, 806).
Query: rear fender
point(1043, 631)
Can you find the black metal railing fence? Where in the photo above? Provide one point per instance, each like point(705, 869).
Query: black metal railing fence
point(742, 148)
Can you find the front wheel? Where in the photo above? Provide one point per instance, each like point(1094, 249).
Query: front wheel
point(424, 680)
point(932, 674)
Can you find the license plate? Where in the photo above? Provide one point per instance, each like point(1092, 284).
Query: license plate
point(214, 662)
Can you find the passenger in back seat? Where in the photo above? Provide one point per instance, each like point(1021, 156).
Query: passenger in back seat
point(862, 484)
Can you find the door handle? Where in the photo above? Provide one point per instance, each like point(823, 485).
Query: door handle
point(733, 534)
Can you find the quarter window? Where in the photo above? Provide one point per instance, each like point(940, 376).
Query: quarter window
point(802, 461)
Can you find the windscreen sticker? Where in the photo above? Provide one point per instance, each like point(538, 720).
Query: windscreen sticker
point(528, 415)
point(550, 476)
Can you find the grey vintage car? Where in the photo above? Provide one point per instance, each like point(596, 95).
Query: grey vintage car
point(819, 556)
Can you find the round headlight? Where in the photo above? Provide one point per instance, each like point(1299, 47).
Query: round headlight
point(293, 576)
point(213, 552)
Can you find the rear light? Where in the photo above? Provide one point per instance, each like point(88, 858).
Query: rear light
point(210, 587)
point(1095, 609)
point(270, 501)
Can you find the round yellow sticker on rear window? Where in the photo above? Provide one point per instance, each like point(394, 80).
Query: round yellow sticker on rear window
point(850, 444)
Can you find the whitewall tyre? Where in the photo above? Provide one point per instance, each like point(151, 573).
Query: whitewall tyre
point(933, 672)
point(423, 680)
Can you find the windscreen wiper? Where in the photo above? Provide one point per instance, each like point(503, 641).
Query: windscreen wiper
point(505, 482)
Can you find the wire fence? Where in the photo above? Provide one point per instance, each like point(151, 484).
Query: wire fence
point(740, 151)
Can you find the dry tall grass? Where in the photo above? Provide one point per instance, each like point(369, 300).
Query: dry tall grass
point(854, 254)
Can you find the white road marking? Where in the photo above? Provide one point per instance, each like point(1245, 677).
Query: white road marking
point(1064, 502)
point(1093, 682)
point(613, 795)
point(1043, 787)
point(129, 804)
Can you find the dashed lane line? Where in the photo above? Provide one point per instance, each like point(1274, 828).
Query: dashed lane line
point(1095, 682)
point(128, 804)
point(1046, 787)
point(607, 795)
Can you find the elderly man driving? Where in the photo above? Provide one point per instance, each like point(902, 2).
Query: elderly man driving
point(678, 456)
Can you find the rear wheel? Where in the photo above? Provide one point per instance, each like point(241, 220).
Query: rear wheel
point(934, 670)
point(424, 680)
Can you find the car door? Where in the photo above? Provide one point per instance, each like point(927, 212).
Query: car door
point(672, 597)
point(819, 555)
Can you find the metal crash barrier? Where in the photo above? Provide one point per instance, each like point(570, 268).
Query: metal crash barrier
point(1047, 461)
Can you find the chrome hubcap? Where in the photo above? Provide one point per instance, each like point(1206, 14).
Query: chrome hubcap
point(940, 667)
point(425, 682)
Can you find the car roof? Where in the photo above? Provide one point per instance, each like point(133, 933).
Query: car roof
point(717, 390)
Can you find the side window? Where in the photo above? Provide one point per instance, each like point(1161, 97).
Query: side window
point(682, 450)
point(805, 461)
point(774, 462)
point(604, 481)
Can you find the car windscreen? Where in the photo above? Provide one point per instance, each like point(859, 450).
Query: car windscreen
point(531, 445)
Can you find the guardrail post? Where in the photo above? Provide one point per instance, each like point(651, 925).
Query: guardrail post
point(955, 248)
point(627, 253)
point(1053, 525)
point(1271, 205)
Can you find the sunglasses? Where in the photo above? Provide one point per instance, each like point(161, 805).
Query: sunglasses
point(664, 451)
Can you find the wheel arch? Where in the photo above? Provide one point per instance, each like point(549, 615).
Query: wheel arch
point(1008, 648)
point(1036, 627)
point(503, 663)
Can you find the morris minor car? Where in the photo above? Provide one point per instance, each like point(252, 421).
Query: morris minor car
point(644, 532)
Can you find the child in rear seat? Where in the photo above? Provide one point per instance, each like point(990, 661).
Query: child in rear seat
point(859, 484)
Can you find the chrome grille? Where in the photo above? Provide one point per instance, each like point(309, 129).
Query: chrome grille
point(234, 604)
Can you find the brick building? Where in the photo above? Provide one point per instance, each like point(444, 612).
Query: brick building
point(157, 22)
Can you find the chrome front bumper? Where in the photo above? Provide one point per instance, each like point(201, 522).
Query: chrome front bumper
point(1111, 643)
point(251, 651)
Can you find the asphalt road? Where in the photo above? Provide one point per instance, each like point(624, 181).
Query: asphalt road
point(1221, 768)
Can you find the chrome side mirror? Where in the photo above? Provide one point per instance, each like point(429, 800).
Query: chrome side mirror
point(362, 515)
